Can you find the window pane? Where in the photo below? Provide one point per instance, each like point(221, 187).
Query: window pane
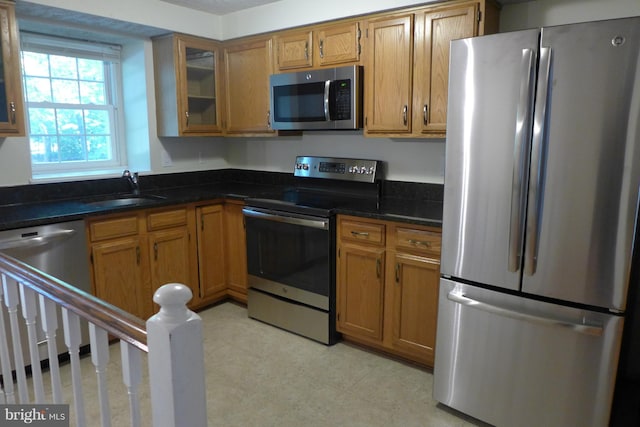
point(38, 89)
point(42, 121)
point(92, 93)
point(71, 148)
point(90, 69)
point(44, 149)
point(63, 67)
point(35, 64)
point(99, 148)
point(65, 91)
point(70, 122)
point(96, 122)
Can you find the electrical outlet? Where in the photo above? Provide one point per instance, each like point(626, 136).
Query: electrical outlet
point(166, 158)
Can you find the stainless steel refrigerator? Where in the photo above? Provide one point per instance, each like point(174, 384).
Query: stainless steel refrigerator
point(540, 207)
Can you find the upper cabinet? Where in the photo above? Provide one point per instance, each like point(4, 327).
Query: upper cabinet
point(407, 66)
point(247, 69)
point(11, 99)
point(188, 82)
point(319, 46)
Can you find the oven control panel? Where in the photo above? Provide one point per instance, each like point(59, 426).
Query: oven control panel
point(361, 170)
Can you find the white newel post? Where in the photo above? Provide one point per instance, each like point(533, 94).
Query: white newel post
point(176, 360)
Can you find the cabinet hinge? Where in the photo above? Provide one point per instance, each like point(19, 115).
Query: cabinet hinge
point(479, 15)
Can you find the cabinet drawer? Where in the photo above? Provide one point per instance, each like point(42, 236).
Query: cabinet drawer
point(117, 227)
point(366, 232)
point(419, 241)
point(166, 219)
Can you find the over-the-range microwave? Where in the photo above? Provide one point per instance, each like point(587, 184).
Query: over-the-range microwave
point(329, 98)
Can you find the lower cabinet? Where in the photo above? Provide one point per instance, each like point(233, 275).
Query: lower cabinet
point(387, 286)
point(199, 245)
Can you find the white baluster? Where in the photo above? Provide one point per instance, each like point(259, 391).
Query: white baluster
point(132, 377)
point(100, 357)
point(49, 319)
point(8, 392)
point(29, 312)
point(11, 301)
point(176, 375)
point(72, 338)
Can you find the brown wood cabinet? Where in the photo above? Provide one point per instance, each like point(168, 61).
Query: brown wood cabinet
point(318, 46)
point(387, 286)
point(188, 83)
point(120, 263)
point(201, 245)
point(211, 251)
point(11, 97)
point(235, 251)
point(136, 253)
point(407, 65)
point(248, 65)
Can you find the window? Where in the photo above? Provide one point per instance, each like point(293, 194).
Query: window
point(72, 93)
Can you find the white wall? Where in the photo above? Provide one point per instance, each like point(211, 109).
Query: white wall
point(412, 160)
point(539, 13)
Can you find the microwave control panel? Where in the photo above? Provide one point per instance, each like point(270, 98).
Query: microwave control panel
point(337, 168)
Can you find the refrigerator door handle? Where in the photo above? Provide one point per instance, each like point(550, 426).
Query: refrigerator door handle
point(536, 177)
point(583, 328)
point(521, 149)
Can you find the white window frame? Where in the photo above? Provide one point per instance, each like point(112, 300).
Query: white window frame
point(113, 86)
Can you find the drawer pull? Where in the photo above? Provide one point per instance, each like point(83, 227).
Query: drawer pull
point(360, 233)
point(420, 243)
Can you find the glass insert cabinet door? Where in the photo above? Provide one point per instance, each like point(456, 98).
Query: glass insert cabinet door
point(11, 103)
point(199, 85)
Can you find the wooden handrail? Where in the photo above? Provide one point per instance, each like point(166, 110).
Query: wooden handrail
point(112, 319)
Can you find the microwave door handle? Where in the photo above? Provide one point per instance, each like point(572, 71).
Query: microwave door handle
point(327, 86)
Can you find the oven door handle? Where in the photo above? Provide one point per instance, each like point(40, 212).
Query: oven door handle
point(320, 223)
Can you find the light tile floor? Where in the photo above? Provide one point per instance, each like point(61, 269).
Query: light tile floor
point(259, 375)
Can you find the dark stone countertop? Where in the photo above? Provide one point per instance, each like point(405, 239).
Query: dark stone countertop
point(32, 205)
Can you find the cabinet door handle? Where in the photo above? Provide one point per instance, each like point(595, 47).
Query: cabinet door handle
point(405, 109)
point(359, 233)
point(397, 272)
point(186, 114)
point(378, 267)
point(269, 118)
point(306, 50)
point(321, 46)
point(420, 243)
point(138, 255)
point(155, 251)
point(12, 108)
point(425, 114)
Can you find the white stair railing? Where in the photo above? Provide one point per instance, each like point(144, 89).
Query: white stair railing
point(176, 376)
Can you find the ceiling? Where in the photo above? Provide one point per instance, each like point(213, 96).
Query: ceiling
point(220, 7)
point(223, 7)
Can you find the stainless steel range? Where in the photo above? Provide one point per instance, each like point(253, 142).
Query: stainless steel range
point(291, 243)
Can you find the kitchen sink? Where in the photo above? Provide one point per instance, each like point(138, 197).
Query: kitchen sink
point(120, 201)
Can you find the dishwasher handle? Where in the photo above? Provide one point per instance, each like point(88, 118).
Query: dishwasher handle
point(36, 240)
point(584, 328)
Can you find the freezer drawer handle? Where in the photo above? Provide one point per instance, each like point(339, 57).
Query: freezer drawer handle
point(588, 329)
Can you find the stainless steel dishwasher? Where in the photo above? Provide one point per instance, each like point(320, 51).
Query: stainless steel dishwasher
point(59, 250)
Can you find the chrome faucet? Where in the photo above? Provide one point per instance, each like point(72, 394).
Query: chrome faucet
point(132, 178)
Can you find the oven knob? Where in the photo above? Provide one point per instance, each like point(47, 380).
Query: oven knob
point(305, 166)
point(372, 170)
point(363, 170)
